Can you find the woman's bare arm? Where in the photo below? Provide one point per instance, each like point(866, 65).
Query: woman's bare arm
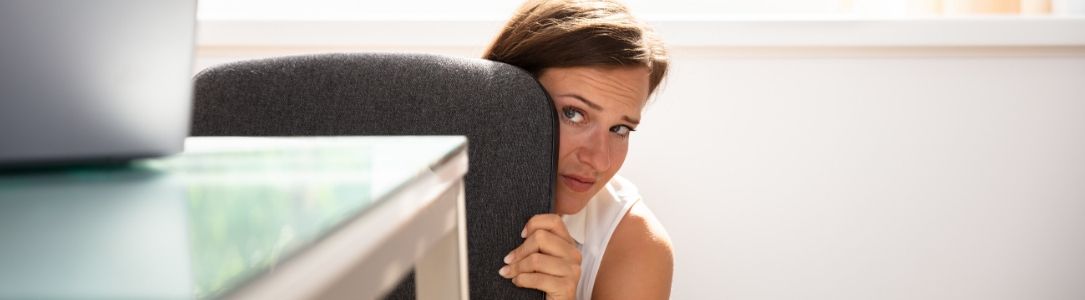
point(639, 260)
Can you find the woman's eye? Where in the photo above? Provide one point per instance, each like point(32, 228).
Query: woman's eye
point(621, 130)
point(573, 115)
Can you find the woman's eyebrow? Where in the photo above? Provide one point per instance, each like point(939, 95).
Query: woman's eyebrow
point(585, 100)
point(597, 107)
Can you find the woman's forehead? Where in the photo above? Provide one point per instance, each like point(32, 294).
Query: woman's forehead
point(603, 86)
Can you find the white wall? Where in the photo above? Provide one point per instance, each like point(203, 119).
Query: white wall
point(876, 174)
point(835, 160)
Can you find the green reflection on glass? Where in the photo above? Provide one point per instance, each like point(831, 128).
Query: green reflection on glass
point(250, 210)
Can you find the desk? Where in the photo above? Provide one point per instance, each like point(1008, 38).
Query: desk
point(243, 218)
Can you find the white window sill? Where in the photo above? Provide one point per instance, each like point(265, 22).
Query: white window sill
point(678, 32)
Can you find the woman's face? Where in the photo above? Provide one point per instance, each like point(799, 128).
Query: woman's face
point(598, 107)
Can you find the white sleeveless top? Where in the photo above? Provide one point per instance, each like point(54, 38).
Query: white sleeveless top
point(593, 226)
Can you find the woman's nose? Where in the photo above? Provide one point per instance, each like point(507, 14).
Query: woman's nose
point(596, 151)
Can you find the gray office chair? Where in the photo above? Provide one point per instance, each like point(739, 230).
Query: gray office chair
point(509, 121)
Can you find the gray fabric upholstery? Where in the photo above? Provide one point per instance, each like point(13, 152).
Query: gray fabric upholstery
point(508, 119)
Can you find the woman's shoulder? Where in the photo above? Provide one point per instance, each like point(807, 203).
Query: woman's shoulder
point(639, 230)
point(639, 252)
point(638, 224)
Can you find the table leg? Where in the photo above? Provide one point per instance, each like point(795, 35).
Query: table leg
point(442, 272)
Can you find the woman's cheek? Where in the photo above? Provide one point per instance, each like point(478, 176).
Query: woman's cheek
point(618, 150)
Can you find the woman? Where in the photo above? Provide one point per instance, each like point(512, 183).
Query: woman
point(599, 65)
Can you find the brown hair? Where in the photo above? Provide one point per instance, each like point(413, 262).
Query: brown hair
point(575, 33)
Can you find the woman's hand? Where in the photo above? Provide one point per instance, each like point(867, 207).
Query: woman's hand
point(547, 260)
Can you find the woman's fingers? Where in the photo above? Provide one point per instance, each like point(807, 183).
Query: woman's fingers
point(542, 263)
point(548, 222)
point(546, 242)
point(548, 260)
point(545, 233)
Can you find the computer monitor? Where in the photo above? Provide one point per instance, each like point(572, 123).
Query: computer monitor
point(86, 81)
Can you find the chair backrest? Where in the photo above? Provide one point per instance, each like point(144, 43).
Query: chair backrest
point(509, 121)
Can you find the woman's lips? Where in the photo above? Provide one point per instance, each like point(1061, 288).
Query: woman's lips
point(577, 184)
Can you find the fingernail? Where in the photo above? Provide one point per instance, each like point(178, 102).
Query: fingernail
point(508, 258)
point(523, 233)
point(504, 271)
